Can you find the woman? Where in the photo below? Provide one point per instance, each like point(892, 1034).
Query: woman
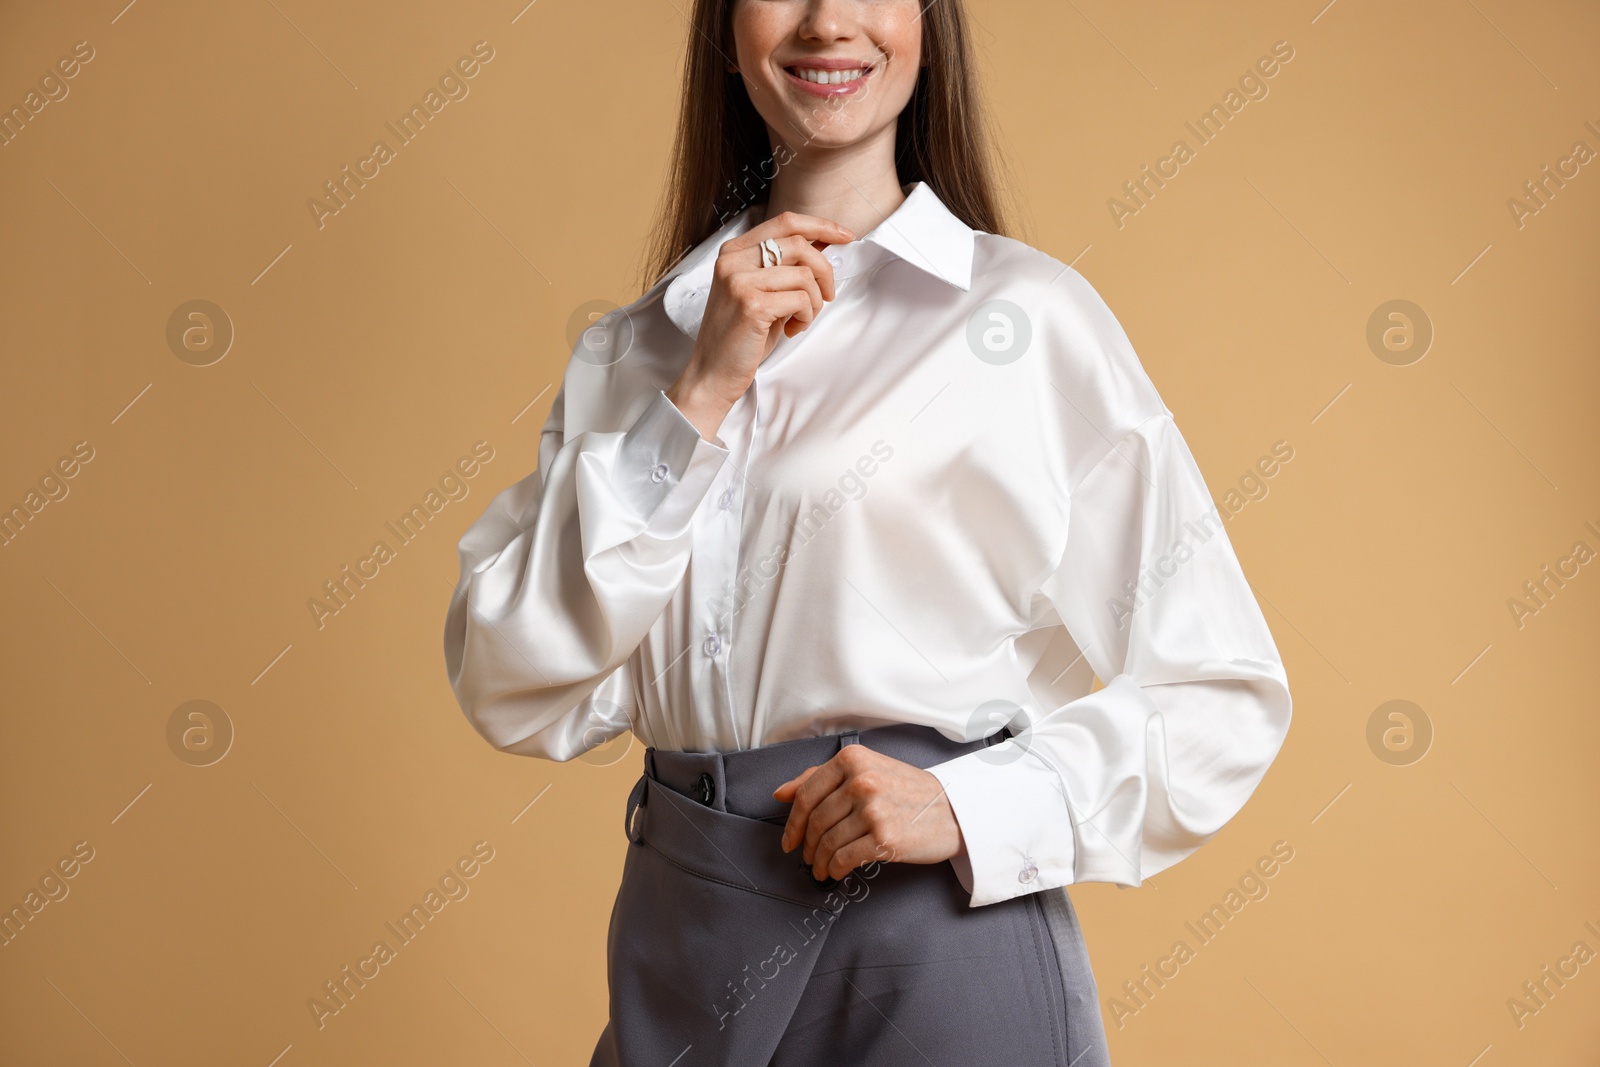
point(843, 518)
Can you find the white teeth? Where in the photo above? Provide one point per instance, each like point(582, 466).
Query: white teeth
point(830, 77)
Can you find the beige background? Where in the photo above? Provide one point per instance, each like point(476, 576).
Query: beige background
point(432, 313)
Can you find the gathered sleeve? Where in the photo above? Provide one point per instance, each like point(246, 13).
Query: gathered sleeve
point(565, 572)
point(1125, 781)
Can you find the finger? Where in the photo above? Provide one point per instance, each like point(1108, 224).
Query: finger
point(749, 264)
point(863, 850)
point(811, 792)
point(793, 829)
point(788, 224)
point(770, 310)
point(842, 833)
point(830, 811)
point(797, 252)
point(800, 252)
point(774, 279)
point(779, 309)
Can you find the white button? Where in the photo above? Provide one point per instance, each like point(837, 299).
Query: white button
point(725, 500)
point(835, 258)
point(1028, 873)
point(658, 473)
point(713, 644)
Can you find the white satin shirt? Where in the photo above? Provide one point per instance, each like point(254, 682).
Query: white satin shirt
point(955, 500)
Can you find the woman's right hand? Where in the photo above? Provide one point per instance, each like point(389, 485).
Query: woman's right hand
point(748, 306)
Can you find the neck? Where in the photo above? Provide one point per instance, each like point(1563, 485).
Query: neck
point(855, 186)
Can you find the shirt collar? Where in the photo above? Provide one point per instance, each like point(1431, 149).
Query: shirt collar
point(921, 231)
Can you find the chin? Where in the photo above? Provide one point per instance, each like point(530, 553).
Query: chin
point(830, 137)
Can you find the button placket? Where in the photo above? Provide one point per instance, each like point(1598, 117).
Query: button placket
point(749, 428)
point(711, 577)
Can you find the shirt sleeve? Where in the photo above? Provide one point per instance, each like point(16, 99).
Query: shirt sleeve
point(564, 573)
point(1121, 783)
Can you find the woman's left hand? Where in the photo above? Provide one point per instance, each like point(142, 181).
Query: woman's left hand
point(863, 806)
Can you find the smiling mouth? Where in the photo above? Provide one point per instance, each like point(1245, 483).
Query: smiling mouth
point(829, 81)
point(818, 76)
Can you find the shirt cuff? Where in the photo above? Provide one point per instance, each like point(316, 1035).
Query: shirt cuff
point(1015, 821)
point(962, 865)
point(665, 467)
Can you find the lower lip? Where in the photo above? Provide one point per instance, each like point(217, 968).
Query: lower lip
point(841, 89)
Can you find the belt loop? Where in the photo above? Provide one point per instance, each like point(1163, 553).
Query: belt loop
point(650, 762)
point(633, 814)
point(850, 737)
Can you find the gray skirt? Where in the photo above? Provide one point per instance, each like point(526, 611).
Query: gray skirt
point(724, 950)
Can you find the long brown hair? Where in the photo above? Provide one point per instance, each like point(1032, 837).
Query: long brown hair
point(722, 161)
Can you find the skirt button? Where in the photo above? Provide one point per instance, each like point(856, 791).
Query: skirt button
point(705, 788)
